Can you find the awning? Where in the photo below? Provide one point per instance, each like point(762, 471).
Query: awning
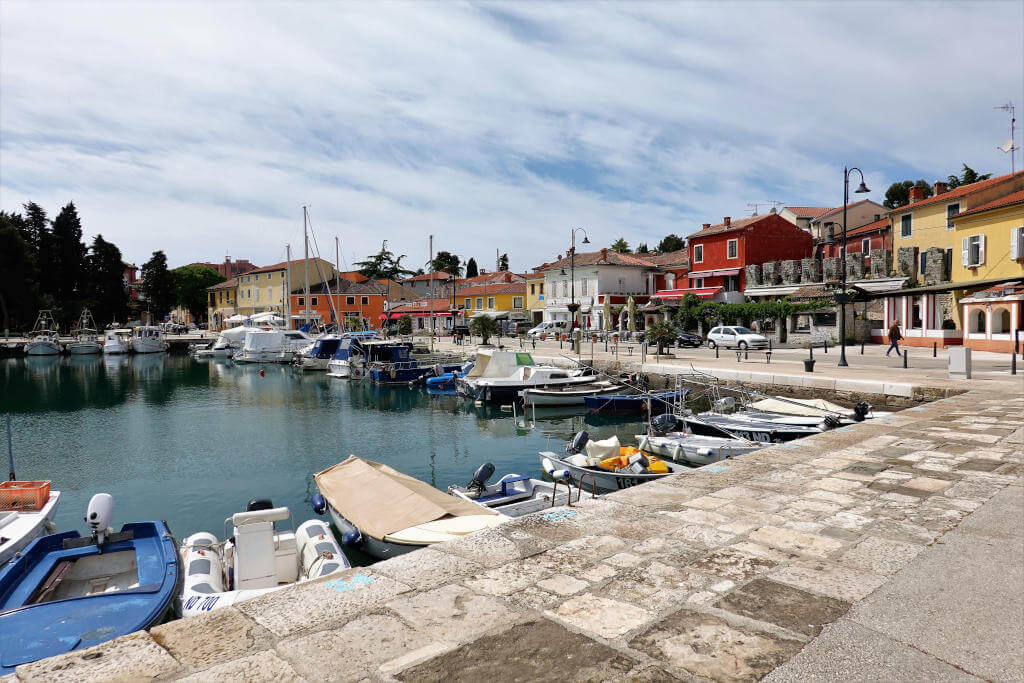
point(395, 315)
point(490, 314)
point(702, 292)
point(714, 273)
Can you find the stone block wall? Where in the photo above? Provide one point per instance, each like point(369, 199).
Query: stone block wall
point(935, 266)
point(830, 269)
point(810, 270)
point(881, 263)
point(855, 266)
point(770, 273)
point(753, 275)
point(790, 271)
point(906, 262)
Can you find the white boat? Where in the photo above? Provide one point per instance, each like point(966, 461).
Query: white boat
point(572, 395)
point(255, 559)
point(44, 338)
point(604, 466)
point(228, 343)
point(812, 410)
point(85, 336)
point(672, 437)
point(499, 376)
point(148, 339)
point(516, 495)
point(117, 341)
point(263, 346)
point(386, 513)
point(19, 527)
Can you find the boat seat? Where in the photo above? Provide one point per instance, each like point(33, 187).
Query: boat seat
point(515, 489)
point(255, 557)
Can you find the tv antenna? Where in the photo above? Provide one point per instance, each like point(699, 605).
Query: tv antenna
point(756, 206)
point(1009, 145)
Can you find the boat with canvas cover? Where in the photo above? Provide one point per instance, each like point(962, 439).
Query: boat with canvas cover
point(354, 354)
point(255, 559)
point(499, 375)
point(319, 354)
point(44, 338)
point(148, 339)
point(86, 335)
point(671, 438)
point(386, 513)
point(761, 427)
point(116, 342)
point(516, 495)
point(263, 346)
point(26, 512)
point(606, 465)
point(228, 343)
point(67, 592)
point(572, 395)
point(810, 411)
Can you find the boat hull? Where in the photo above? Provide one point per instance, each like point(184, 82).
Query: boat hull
point(752, 431)
point(575, 397)
point(27, 526)
point(694, 451)
point(116, 349)
point(630, 405)
point(406, 375)
point(42, 347)
point(604, 480)
point(84, 348)
point(510, 393)
point(141, 345)
point(374, 547)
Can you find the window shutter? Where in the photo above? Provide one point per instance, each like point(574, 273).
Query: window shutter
point(981, 250)
point(1016, 239)
point(965, 253)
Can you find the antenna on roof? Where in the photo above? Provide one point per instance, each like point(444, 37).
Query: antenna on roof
point(756, 206)
point(1009, 145)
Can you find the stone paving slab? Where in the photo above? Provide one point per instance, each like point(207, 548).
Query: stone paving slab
point(901, 533)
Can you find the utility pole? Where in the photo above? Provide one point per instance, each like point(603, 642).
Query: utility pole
point(288, 286)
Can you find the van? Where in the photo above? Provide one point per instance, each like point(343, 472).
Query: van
point(548, 327)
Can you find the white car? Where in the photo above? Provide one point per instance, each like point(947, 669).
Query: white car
point(736, 336)
point(548, 327)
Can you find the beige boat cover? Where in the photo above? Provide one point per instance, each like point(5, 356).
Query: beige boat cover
point(380, 500)
point(800, 406)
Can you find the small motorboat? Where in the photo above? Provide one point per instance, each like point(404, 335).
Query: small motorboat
point(85, 336)
point(499, 376)
point(761, 427)
point(319, 354)
point(606, 466)
point(516, 495)
point(256, 559)
point(386, 513)
point(26, 512)
point(574, 395)
point(117, 342)
point(811, 410)
point(44, 338)
point(67, 592)
point(148, 339)
point(670, 438)
point(447, 380)
point(655, 403)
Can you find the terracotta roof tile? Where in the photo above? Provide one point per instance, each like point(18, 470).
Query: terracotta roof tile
point(490, 290)
point(811, 212)
point(737, 224)
point(961, 191)
point(1006, 200)
point(605, 257)
point(440, 275)
point(227, 284)
point(838, 210)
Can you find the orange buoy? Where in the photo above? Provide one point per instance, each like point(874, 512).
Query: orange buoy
point(262, 372)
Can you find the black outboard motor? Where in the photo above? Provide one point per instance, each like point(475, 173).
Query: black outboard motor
point(478, 484)
point(831, 422)
point(578, 443)
point(664, 423)
point(860, 411)
point(259, 504)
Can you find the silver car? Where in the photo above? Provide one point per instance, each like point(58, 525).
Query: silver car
point(736, 336)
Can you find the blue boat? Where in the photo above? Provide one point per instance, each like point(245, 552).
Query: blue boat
point(393, 363)
point(446, 380)
point(67, 592)
point(657, 403)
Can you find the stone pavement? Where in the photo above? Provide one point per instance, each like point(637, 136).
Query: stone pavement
point(888, 549)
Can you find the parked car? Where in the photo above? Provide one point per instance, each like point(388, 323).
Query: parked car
point(518, 327)
point(736, 336)
point(548, 327)
point(686, 339)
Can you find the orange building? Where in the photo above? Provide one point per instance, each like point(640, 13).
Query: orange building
point(360, 304)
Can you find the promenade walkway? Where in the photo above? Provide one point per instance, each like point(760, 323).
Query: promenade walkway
point(889, 549)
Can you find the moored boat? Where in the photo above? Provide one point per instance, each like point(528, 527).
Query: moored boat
point(516, 495)
point(148, 339)
point(86, 335)
point(498, 376)
point(606, 466)
point(26, 512)
point(117, 341)
point(655, 403)
point(573, 395)
point(44, 338)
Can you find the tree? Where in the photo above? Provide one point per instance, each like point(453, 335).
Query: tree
point(445, 262)
point(19, 296)
point(485, 326)
point(471, 269)
point(158, 285)
point(671, 242)
point(107, 296)
point(642, 248)
point(620, 245)
point(68, 261)
point(190, 283)
point(405, 325)
point(967, 176)
point(898, 194)
point(662, 334)
point(503, 263)
point(383, 264)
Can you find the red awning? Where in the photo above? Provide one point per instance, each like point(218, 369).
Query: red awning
point(395, 315)
point(714, 273)
point(702, 292)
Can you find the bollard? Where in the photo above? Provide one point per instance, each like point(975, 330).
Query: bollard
point(1016, 341)
point(935, 349)
point(905, 356)
point(811, 349)
point(716, 350)
point(862, 347)
point(826, 344)
point(1013, 363)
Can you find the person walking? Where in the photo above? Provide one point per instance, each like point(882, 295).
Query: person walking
point(894, 337)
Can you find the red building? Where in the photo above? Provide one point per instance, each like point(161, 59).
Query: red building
point(229, 268)
point(864, 240)
point(719, 253)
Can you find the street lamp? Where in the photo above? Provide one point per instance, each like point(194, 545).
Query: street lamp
point(841, 298)
point(573, 306)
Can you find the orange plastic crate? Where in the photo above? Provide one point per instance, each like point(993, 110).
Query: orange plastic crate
point(24, 495)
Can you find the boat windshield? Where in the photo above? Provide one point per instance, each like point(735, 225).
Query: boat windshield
point(524, 359)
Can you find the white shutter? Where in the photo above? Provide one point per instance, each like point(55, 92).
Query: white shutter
point(965, 252)
point(1016, 243)
point(981, 250)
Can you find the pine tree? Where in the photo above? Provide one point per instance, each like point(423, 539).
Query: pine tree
point(40, 240)
point(383, 264)
point(107, 295)
point(19, 296)
point(158, 286)
point(68, 262)
point(670, 243)
point(471, 268)
point(446, 262)
point(621, 245)
point(642, 248)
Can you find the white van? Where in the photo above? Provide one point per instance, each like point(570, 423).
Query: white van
point(548, 327)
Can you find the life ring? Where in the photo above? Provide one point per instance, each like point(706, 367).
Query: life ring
point(354, 372)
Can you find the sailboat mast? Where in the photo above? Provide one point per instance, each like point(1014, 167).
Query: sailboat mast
point(305, 263)
point(430, 293)
point(288, 286)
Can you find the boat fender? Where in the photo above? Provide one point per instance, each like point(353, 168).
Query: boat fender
point(98, 515)
point(351, 538)
point(438, 371)
point(677, 452)
point(644, 443)
point(704, 451)
point(318, 503)
point(549, 469)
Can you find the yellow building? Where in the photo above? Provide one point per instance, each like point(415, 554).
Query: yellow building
point(265, 289)
point(535, 300)
point(220, 303)
point(501, 301)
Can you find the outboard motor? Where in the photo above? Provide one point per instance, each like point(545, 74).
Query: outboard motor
point(664, 423)
point(98, 516)
point(578, 443)
point(318, 503)
point(860, 411)
point(478, 484)
point(831, 422)
point(259, 504)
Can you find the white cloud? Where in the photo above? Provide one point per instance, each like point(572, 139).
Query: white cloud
point(203, 128)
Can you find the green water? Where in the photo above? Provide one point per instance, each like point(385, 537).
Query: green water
point(192, 441)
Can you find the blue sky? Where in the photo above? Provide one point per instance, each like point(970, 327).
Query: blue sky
point(202, 128)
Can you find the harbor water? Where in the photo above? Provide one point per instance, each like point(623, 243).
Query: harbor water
point(191, 441)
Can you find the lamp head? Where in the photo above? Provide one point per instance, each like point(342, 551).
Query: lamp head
point(586, 240)
point(862, 189)
point(563, 272)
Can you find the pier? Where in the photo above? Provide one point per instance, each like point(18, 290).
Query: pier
point(178, 343)
point(890, 543)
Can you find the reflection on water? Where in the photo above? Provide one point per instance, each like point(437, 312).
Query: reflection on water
point(191, 441)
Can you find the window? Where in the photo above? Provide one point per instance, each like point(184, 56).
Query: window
point(865, 245)
point(257, 294)
point(583, 286)
point(312, 300)
point(905, 226)
point(541, 288)
point(973, 254)
point(517, 302)
point(1017, 243)
point(469, 303)
point(951, 210)
point(565, 288)
point(698, 253)
point(350, 301)
point(924, 262)
point(479, 303)
point(531, 290)
point(365, 301)
point(697, 282)
point(490, 302)
point(302, 301)
point(732, 249)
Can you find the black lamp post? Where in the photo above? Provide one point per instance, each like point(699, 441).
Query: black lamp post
point(841, 298)
point(573, 306)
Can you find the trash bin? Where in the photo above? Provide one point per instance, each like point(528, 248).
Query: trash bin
point(809, 364)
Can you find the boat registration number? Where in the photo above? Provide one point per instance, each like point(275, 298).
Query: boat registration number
point(201, 602)
point(755, 436)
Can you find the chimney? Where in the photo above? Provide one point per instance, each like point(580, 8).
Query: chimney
point(705, 226)
point(939, 188)
point(559, 258)
point(727, 220)
point(604, 254)
point(916, 194)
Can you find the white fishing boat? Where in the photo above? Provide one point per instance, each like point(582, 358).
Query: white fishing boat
point(386, 513)
point(148, 339)
point(255, 559)
point(85, 336)
point(117, 341)
point(21, 522)
point(605, 466)
point(263, 346)
point(572, 395)
point(671, 437)
point(499, 376)
point(516, 495)
point(44, 338)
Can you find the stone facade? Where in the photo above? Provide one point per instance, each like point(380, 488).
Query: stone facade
point(881, 263)
point(810, 270)
point(770, 273)
point(753, 275)
point(855, 266)
point(906, 262)
point(790, 271)
point(935, 266)
point(830, 269)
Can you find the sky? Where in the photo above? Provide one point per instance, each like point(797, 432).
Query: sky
point(202, 129)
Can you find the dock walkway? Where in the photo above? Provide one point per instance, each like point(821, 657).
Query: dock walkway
point(887, 549)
